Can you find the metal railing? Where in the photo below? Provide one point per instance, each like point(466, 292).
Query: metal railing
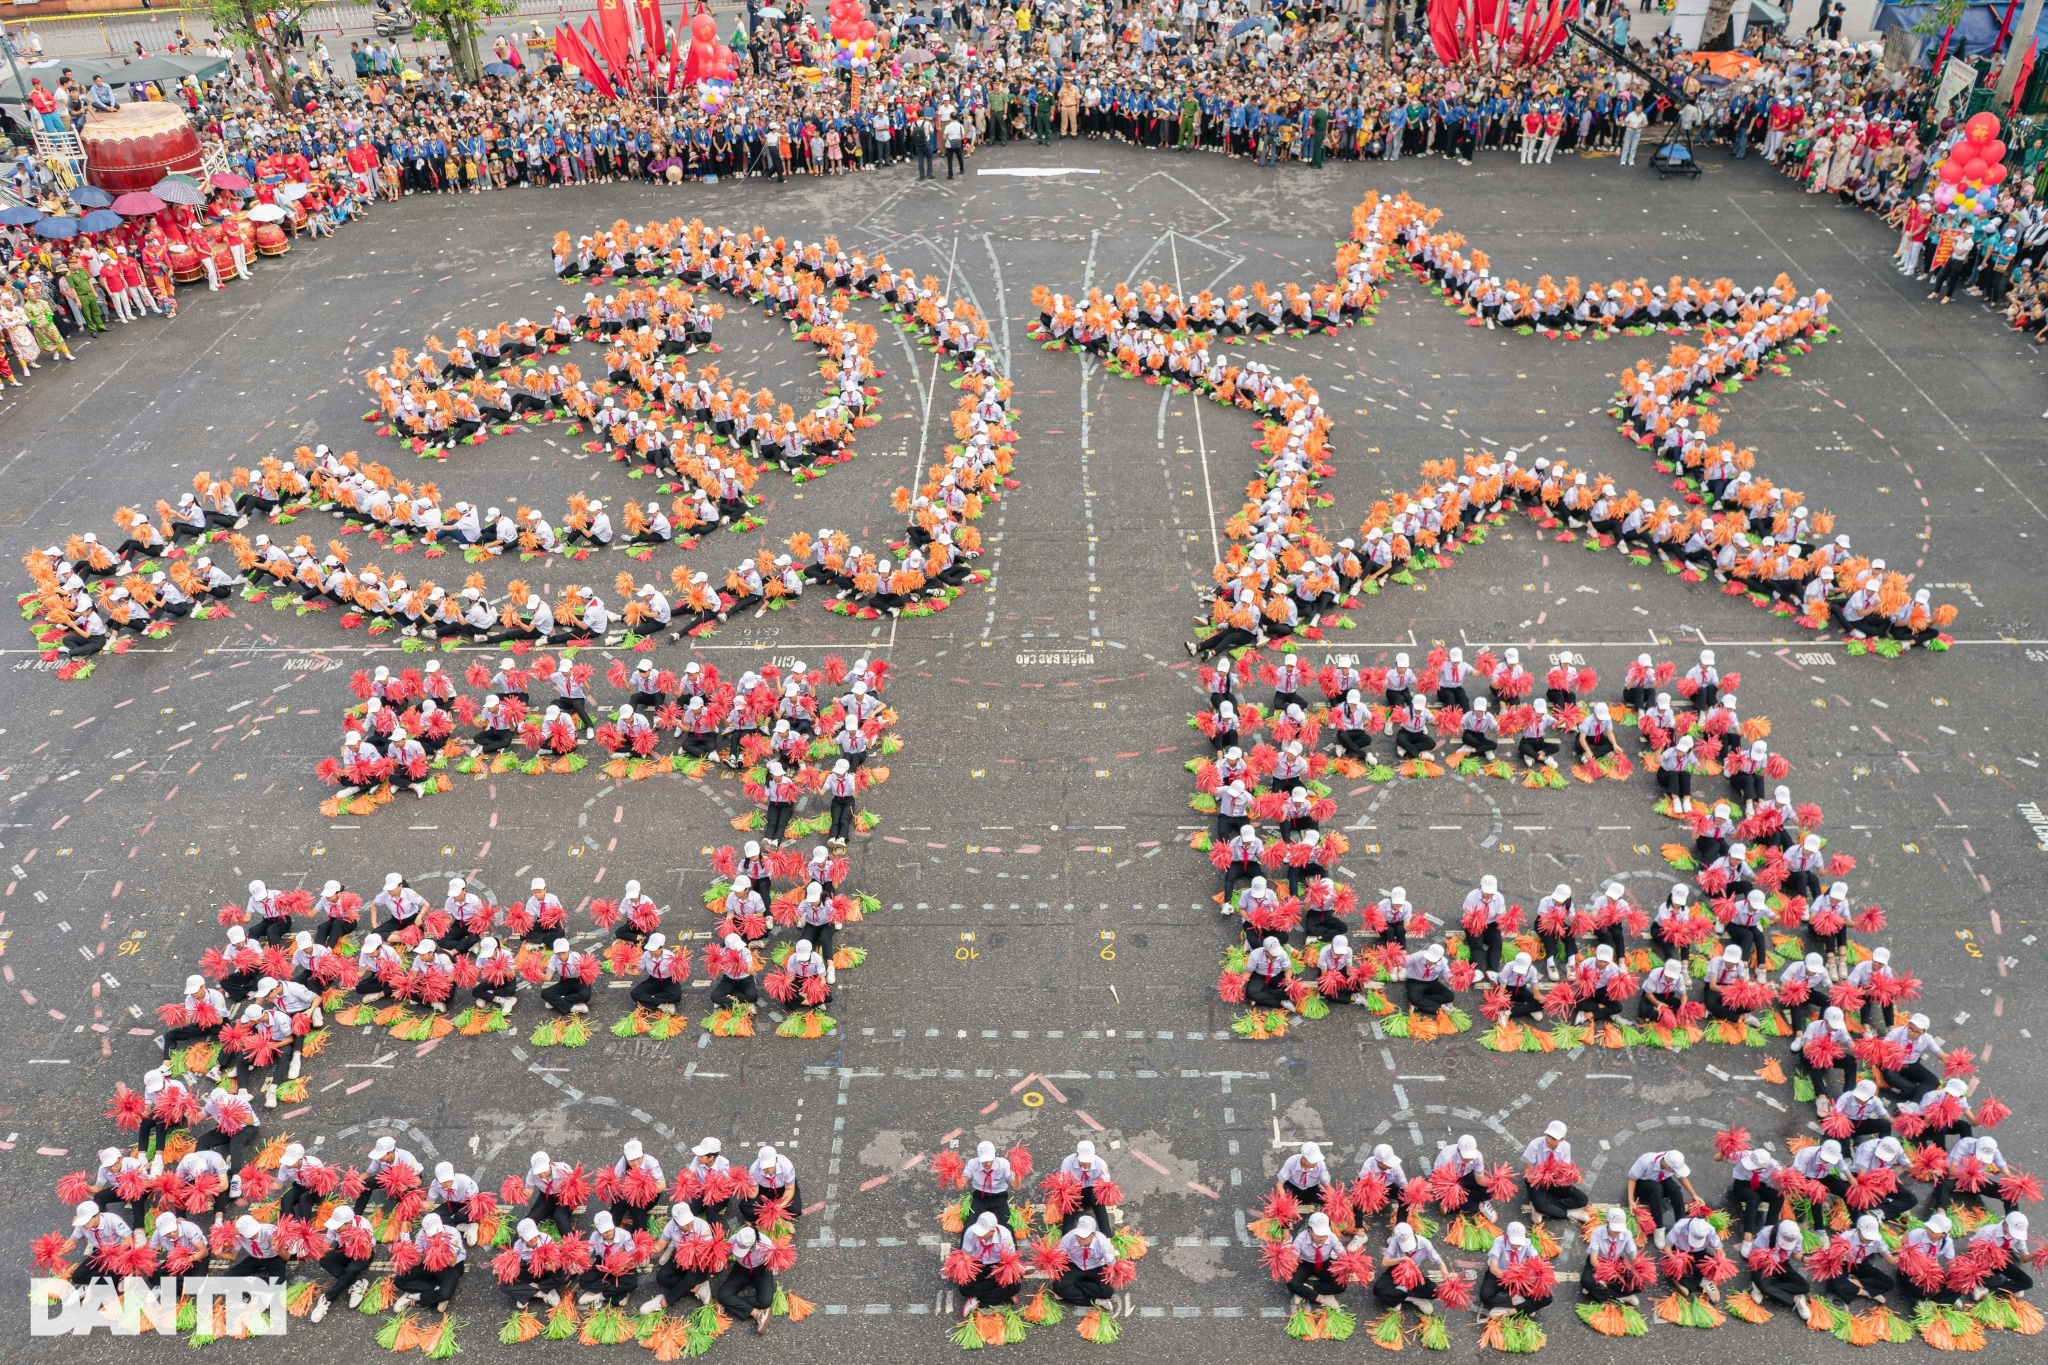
point(115, 33)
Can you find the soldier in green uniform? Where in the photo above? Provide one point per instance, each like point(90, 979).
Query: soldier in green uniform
point(999, 113)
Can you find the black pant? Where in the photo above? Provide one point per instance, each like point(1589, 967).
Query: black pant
point(924, 163)
point(954, 155)
point(1870, 1278)
point(676, 1283)
point(1079, 1286)
point(564, 995)
point(735, 988)
point(1555, 1201)
point(1427, 997)
point(1749, 1205)
point(842, 818)
point(1657, 1196)
point(345, 1269)
point(1785, 1287)
point(653, 992)
point(1486, 949)
point(1313, 1282)
point(435, 1287)
point(1494, 1294)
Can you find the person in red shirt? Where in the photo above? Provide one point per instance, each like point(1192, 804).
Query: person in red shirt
point(1532, 133)
point(134, 285)
point(45, 105)
point(1919, 219)
point(1553, 128)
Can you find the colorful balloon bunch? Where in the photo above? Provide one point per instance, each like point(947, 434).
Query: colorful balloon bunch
point(708, 64)
point(853, 36)
point(1974, 169)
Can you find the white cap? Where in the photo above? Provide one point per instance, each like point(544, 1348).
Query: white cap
point(539, 1163)
point(710, 1146)
point(1311, 1154)
point(1468, 1146)
point(1489, 884)
point(1555, 1129)
point(1319, 1223)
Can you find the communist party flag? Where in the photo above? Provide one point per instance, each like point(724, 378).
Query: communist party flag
point(617, 32)
point(568, 45)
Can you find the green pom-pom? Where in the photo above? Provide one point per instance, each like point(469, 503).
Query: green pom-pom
point(967, 1336)
point(1339, 1324)
point(1313, 1006)
point(1436, 1334)
point(1298, 1325)
point(387, 1335)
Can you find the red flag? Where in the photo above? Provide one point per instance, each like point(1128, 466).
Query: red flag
point(1553, 33)
point(617, 33)
point(2019, 91)
point(593, 43)
point(652, 42)
point(568, 45)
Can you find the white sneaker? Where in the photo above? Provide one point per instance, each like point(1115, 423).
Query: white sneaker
point(703, 1291)
point(579, 1009)
point(356, 1291)
point(291, 1073)
point(653, 1305)
point(319, 1310)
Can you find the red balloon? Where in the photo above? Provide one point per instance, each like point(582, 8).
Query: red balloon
point(1951, 170)
point(867, 28)
point(1993, 151)
point(1996, 175)
point(704, 27)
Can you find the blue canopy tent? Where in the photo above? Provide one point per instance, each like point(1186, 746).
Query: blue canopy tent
point(1976, 32)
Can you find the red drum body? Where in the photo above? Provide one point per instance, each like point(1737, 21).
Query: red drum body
point(135, 147)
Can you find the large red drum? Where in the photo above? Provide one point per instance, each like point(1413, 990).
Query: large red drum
point(270, 240)
point(138, 145)
point(187, 265)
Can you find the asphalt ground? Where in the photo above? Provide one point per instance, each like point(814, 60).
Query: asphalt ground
point(1057, 980)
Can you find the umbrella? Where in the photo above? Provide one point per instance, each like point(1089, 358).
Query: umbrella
point(916, 56)
point(411, 75)
point(100, 220)
point(136, 203)
point(90, 197)
point(1244, 26)
point(917, 21)
point(228, 180)
point(291, 191)
point(58, 228)
point(266, 213)
point(176, 189)
point(769, 13)
point(499, 69)
point(21, 215)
